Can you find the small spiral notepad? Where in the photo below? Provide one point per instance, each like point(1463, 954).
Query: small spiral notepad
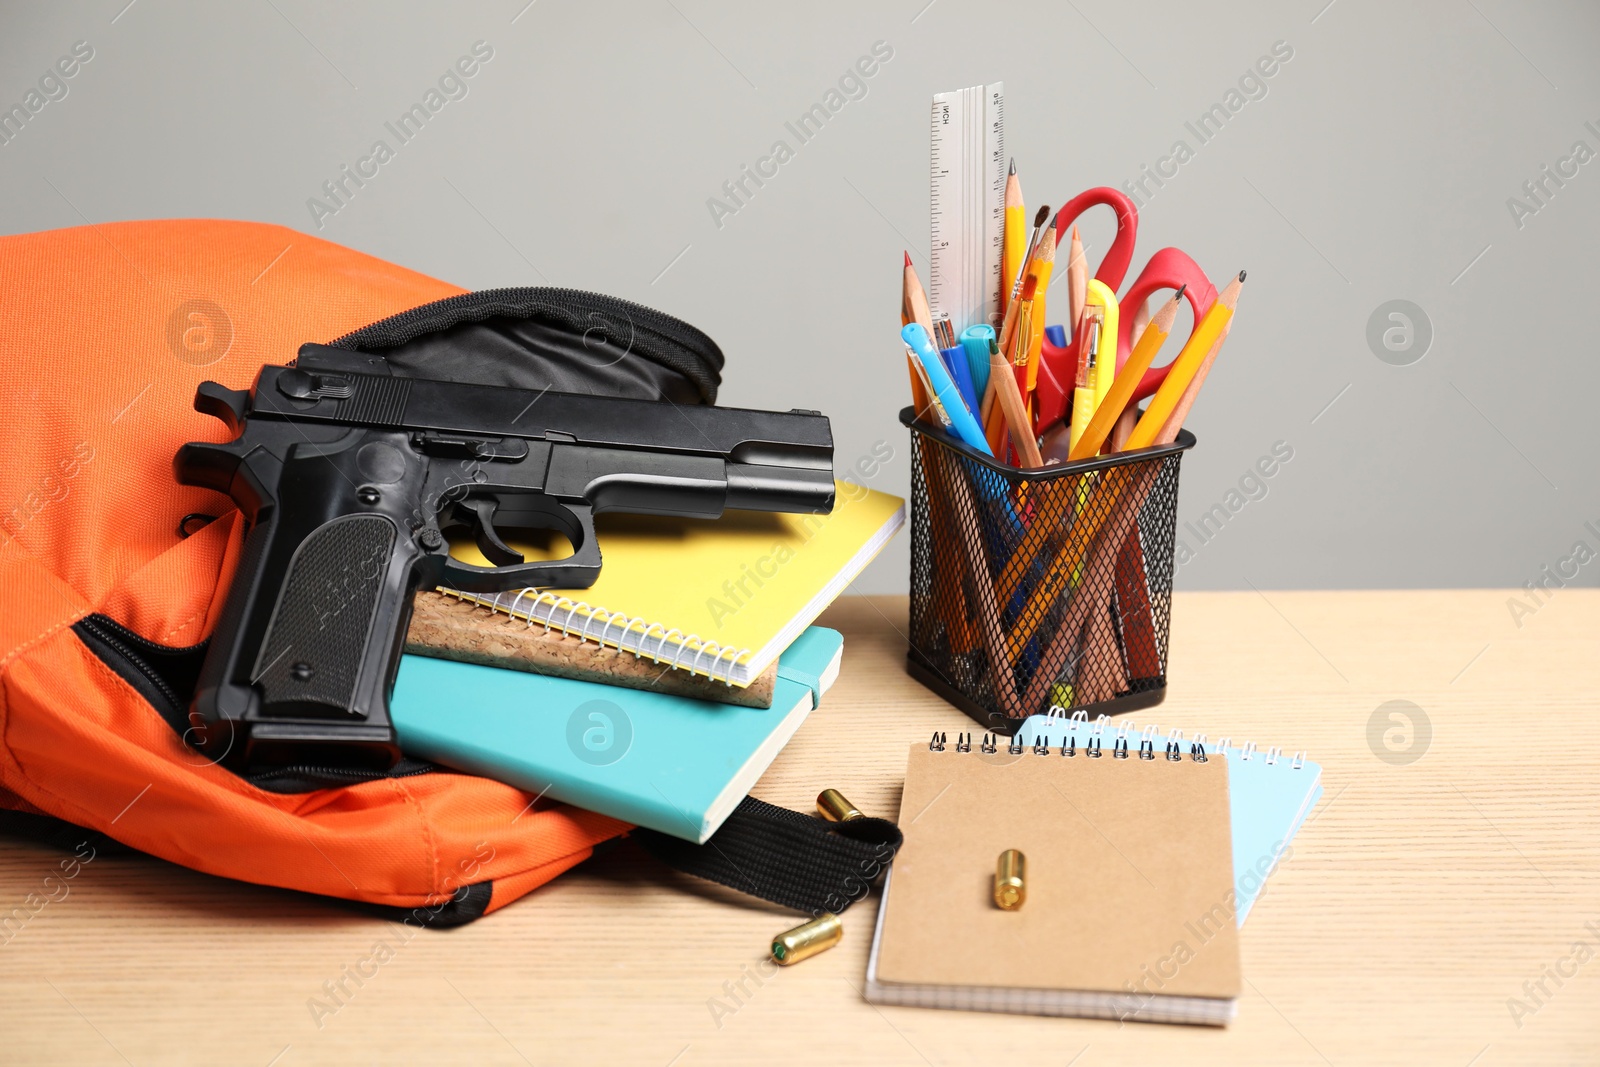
point(1271, 793)
point(1130, 905)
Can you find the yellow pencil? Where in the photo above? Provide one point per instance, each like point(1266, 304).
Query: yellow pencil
point(1127, 380)
point(1015, 244)
point(1044, 263)
point(1009, 323)
point(1185, 367)
point(1169, 432)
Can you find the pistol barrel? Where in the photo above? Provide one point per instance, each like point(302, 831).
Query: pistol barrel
point(753, 487)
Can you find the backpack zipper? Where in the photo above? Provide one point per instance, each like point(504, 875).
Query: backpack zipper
point(342, 775)
point(132, 658)
point(110, 637)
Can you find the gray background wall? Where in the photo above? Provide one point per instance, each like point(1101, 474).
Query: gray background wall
point(1377, 167)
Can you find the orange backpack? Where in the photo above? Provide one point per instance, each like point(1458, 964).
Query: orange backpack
point(103, 602)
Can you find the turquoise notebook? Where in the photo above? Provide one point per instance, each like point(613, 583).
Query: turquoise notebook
point(1269, 795)
point(671, 763)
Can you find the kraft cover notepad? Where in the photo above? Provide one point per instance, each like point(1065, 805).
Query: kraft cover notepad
point(721, 598)
point(1128, 868)
point(1270, 793)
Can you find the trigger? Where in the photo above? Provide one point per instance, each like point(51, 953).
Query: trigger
point(228, 405)
point(493, 548)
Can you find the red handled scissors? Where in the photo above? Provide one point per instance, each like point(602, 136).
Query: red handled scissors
point(1169, 268)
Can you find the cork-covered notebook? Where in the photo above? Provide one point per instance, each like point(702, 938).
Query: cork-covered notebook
point(448, 627)
point(1129, 879)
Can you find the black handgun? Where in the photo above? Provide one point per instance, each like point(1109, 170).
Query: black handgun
point(351, 478)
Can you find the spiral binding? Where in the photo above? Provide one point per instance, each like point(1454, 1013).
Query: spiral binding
point(711, 659)
point(1093, 748)
point(1094, 744)
point(1174, 740)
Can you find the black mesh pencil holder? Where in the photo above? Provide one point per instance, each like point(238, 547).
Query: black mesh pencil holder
point(1039, 588)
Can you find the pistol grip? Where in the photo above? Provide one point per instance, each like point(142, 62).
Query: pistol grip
point(322, 625)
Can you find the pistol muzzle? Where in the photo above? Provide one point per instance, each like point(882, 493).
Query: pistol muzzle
point(758, 487)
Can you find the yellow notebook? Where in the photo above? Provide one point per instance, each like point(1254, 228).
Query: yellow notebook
point(720, 598)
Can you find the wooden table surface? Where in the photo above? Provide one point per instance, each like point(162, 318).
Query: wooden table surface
point(1444, 877)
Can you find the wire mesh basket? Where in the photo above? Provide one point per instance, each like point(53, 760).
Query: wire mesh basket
point(1032, 588)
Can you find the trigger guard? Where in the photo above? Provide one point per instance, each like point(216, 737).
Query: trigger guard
point(578, 571)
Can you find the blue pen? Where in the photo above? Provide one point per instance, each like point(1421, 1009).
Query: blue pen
point(992, 488)
point(955, 361)
point(944, 387)
point(975, 341)
point(1001, 528)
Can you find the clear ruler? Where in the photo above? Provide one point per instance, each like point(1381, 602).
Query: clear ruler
point(967, 134)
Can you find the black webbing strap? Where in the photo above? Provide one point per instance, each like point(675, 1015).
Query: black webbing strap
point(798, 861)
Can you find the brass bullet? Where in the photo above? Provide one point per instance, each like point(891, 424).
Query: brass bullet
point(1010, 889)
point(808, 939)
point(832, 805)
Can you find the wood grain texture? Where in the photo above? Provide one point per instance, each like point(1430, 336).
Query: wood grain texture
point(1419, 898)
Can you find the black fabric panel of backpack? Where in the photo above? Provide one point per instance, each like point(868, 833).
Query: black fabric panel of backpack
point(564, 340)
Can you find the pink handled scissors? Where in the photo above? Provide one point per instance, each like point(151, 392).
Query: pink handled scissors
point(1169, 268)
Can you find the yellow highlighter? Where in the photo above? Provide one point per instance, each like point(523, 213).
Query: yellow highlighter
point(1083, 402)
point(1100, 295)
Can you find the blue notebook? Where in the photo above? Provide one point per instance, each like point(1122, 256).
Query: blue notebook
point(671, 763)
point(1269, 795)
